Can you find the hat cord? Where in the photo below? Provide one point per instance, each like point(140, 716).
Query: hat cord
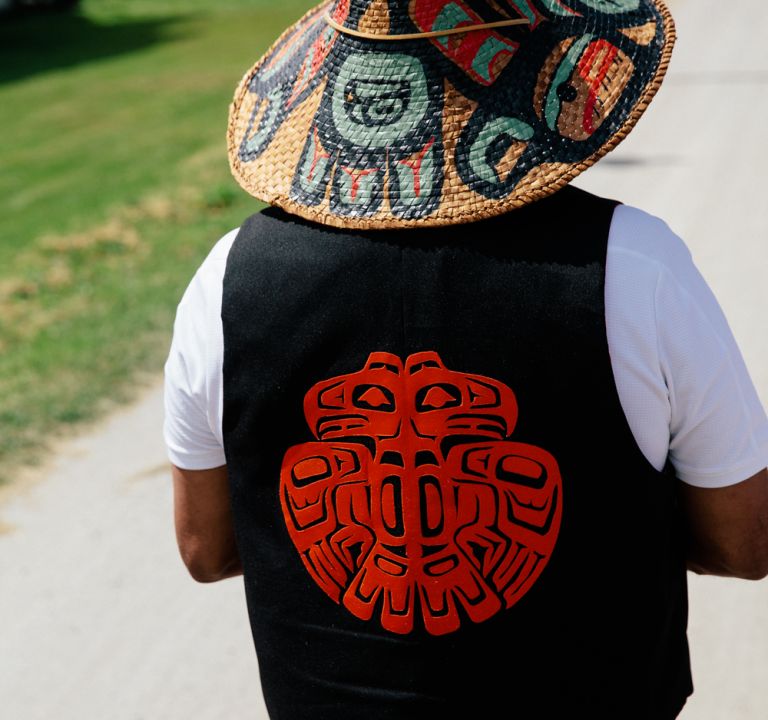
point(420, 35)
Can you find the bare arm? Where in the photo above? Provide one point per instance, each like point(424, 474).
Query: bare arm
point(727, 528)
point(204, 529)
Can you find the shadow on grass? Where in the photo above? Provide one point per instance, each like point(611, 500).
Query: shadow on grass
point(32, 44)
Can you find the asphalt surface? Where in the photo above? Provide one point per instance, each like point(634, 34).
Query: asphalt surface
point(98, 618)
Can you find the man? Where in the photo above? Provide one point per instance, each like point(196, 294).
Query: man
point(451, 394)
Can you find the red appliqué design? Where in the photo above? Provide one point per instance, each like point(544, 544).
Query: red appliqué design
point(412, 501)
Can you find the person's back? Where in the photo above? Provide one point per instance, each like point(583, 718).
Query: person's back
point(448, 495)
point(461, 502)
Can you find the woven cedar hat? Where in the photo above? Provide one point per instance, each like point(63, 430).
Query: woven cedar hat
point(406, 113)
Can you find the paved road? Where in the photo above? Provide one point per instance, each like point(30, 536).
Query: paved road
point(98, 619)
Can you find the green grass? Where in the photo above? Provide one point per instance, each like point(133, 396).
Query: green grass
point(114, 185)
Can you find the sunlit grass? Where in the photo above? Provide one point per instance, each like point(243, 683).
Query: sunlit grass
point(113, 186)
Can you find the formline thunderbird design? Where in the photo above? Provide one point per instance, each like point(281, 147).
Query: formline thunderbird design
point(412, 501)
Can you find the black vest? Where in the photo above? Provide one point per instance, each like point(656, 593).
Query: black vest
point(439, 505)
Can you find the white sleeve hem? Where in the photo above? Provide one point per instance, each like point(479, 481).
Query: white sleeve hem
point(196, 461)
point(723, 478)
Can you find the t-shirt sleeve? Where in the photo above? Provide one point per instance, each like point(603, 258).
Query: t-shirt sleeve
point(192, 427)
point(717, 427)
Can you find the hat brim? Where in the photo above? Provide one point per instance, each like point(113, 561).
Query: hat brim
point(372, 134)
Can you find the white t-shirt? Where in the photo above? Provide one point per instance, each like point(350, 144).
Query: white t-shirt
point(680, 377)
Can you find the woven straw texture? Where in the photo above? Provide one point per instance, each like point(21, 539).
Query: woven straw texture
point(374, 133)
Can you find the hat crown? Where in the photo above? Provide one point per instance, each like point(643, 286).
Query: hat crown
point(377, 17)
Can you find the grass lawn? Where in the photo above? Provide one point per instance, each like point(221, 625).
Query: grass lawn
point(114, 185)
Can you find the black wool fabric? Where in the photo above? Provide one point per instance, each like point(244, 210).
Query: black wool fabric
point(519, 298)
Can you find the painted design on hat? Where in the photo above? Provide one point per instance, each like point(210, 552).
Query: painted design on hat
point(364, 133)
point(412, 506)
point(383, 121)
point(289, 75)
point(488, 152)
point(482, 55)
point(564, 7)
point(580, 84)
